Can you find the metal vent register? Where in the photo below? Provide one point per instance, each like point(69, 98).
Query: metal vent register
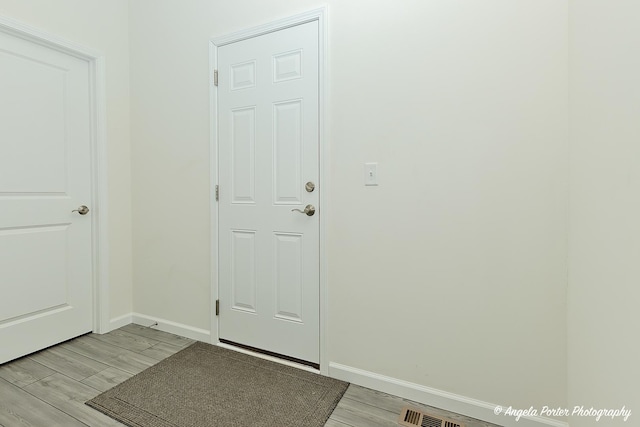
point(413, 417)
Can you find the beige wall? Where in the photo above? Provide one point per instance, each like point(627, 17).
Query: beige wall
point(103, 26)
point(451, 273)
point(604, 285)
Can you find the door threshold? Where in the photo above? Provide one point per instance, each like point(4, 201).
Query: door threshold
point(268, 355)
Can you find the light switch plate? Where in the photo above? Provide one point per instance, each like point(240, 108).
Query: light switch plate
point(371, 174)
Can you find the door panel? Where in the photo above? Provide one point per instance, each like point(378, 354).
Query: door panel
point(287, 251)
point(268, 151)
point(243, 271)
point(243, 161)
point(45, 249)
point(287, 147)
point(33, 113)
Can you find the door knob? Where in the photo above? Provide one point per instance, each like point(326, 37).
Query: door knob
point(309, 210)
point(82, 210)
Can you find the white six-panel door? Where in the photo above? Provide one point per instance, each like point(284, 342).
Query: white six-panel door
point(45, 173)
point(268, 152)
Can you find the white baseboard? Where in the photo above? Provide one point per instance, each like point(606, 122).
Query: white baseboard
point(172, 327)
point(163, 325)
point(429, 396)
point(119, 322)
point(433, 397)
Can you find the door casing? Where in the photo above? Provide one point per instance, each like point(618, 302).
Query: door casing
point(98, 143)
point(319, 15)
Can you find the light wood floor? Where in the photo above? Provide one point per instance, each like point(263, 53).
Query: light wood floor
point(49, 388)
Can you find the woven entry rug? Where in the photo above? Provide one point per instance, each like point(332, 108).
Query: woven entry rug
point(205, 385)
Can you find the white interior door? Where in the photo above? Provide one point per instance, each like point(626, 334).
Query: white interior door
point(45, 173)
point(268, 152)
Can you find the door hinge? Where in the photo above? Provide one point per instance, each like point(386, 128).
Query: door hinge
point(217, 193)
point(215, 77)
point(217, 307)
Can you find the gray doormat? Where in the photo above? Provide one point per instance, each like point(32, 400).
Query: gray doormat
point(205, 385)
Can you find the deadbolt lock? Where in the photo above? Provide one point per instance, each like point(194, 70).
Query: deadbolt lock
point(309, 186)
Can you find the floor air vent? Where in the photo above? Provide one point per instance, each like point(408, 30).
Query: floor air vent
point(415, 418)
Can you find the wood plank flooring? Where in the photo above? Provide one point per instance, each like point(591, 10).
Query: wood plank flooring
point(49, 388)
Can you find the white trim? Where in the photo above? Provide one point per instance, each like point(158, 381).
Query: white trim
point(437, 398)
point(319, 15)
point(270, 27)
point(35, 35)
point(99, 176)
point(171, 327)
point(100, 200)
point(120, 321)
point(323, 128)
point(213, 144)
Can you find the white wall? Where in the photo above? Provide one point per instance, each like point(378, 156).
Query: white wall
point(604, 290)
point(451, 273)
point(103, 26)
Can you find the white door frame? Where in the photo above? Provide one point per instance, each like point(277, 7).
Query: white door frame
point(98, 203)
point(319, 15)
